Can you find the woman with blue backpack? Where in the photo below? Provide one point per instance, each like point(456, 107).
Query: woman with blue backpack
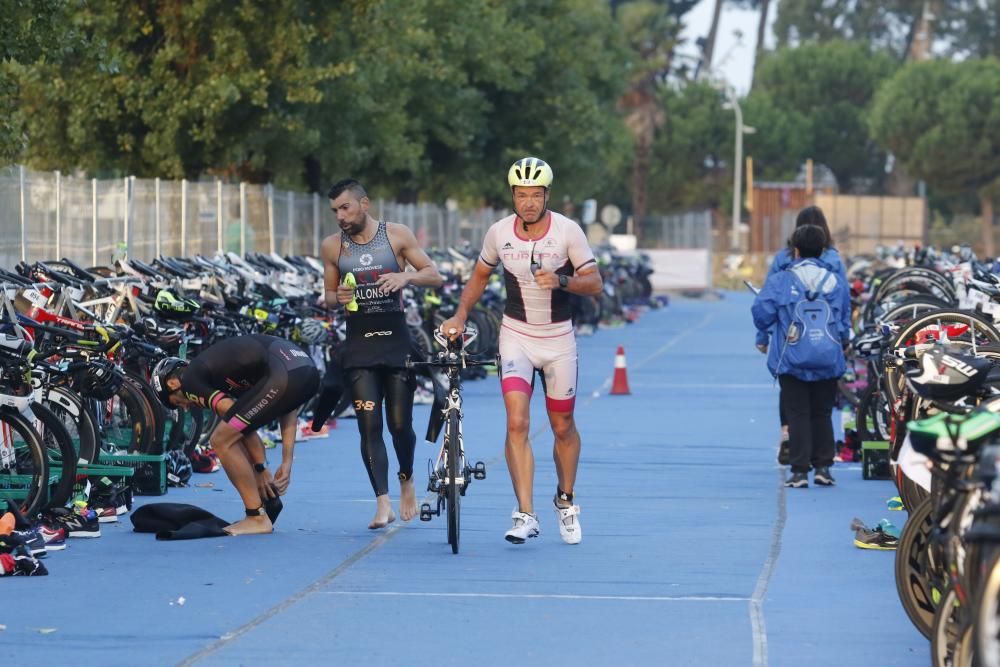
point(810, 215)
point(803, 316)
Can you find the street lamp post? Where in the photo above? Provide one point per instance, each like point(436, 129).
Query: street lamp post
point(741, 129)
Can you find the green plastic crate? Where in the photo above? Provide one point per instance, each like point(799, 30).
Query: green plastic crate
point(149, 476)
point(17, 487)
point(875, 460)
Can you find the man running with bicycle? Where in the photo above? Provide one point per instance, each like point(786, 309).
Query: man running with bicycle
point(545, 258)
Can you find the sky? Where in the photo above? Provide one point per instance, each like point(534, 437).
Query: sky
point(733, 56)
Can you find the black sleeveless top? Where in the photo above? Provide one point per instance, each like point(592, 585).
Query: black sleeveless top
point(377, 334)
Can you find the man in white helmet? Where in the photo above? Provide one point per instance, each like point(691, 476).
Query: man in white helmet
point(545, 258)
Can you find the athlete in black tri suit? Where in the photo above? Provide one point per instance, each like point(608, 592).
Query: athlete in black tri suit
point(378, 340)
point(249, 382)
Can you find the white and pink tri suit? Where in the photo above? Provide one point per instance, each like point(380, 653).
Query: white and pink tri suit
point(537, 330)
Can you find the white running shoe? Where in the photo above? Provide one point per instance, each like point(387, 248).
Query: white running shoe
point(569, 525)
point(525, 526)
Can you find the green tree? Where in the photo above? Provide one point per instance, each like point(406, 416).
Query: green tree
point(971, 28)
point(461, 90)
point(964, 28)
point(812, 102)
point(181, 88)
point(885, 25)
point(413, 96)
point(30, 30)
point(692, 155)
point(939, 118)
point(764, 9)
point(652, 29)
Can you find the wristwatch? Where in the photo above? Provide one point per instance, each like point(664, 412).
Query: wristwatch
point(563, 282)
point(259, 467)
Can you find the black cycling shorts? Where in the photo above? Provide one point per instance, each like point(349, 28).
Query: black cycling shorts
point(275, 395)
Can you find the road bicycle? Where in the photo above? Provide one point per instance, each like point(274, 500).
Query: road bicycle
point(450, 474)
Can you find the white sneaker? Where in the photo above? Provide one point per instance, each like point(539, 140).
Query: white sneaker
point(525, 526)
point(569, 525)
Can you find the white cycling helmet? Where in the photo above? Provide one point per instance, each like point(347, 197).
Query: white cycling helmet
point(530, 172)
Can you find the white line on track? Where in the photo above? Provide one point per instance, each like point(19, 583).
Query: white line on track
point(678, 385)
point(757, 599)
point(345, 565)
point(314, 587)
point(758, 626)
point(543, 596)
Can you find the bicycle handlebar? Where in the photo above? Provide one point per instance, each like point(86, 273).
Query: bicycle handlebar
point(445, 362)
point(458, 344)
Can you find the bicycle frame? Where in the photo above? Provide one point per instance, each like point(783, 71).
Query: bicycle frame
point(449, 475)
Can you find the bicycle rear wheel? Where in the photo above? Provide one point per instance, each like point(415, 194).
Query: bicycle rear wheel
point(454, 490)
point(59, 450)
point(79, 422)
point(24, 470)
point(980, 331)
point(987, 624)
point(912, 575)
point(124, 422)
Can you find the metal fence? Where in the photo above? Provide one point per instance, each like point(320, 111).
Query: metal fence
point(690, 230)
point(46, 215)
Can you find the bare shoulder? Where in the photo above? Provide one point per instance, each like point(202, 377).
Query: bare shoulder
point(330, 247)
point(400, 235)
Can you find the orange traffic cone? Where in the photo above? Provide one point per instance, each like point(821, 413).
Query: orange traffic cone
point(619, 384)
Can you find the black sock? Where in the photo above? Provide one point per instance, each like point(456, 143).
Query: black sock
point(562, 498)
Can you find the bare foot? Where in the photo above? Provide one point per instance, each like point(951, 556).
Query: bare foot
point(383, 513)
point(407, 500)
point(252, 525)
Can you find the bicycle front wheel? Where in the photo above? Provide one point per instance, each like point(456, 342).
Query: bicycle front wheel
point(454, 490)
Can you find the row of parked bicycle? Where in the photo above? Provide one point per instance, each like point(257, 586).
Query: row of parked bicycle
point(924, 375)
point(77, 346)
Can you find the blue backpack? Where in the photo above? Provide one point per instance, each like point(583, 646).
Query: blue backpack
point(811, 341)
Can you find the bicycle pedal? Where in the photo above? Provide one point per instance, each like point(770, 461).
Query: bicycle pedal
point(479, 471)
point(425, 512)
